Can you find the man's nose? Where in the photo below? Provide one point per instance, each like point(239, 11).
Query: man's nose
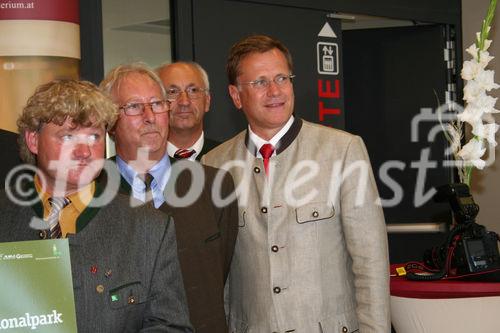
point(81, 150)
point(273, 89)
point(183, 98)
point(148, 114)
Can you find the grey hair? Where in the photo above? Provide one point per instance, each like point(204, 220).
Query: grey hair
point(115, 76)
point(197, 66)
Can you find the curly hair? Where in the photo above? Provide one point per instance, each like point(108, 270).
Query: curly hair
point(58, 100)
point(253, 44)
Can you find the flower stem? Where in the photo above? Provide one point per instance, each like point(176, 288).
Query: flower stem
point(485, 29)
point(468, 175)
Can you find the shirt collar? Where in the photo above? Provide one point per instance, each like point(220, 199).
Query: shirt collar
point(197, 146)
point(79, 200)
point(160, 172)
point(258, 141)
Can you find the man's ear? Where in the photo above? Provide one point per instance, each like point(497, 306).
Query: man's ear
point(207, 104)
point(31, 138)
point(235, 95)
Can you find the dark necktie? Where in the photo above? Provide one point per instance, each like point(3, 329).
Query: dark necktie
point(147, 178)
point(266, 151)
point(184, 153)
point(57, 205)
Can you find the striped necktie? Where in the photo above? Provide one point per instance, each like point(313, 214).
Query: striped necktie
point(147, 178)
point(57, 204)
point(184, 153)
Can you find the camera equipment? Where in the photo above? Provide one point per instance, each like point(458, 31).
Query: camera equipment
point(469, 248)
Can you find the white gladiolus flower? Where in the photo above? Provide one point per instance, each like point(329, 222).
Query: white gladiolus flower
point(473, 51)
point(485, 103)
point(479, 106)
point(472, 153)
point(470, 69)
point(470, 115)
point(472, 90)
point(485, 58)
point(485, 79)
point(478, 129)
point(487, 43)
point(489, 133)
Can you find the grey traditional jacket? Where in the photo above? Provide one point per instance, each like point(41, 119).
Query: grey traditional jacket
point(311, 252)
point(137, 245)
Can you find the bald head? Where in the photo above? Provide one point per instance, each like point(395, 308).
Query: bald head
point(187, 90)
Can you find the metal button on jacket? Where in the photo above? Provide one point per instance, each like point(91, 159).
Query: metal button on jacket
point(256, 170)
point(315, 214)
point(263, 210)
point(131, 300)
point(274, 248)
point(276, 290)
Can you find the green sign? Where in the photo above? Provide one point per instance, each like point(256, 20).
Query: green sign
point(36, 288)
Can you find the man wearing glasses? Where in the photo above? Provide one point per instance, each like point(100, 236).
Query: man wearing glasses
point(126, 274)
point(311, 254)
point(187, 89)
point(205, 232)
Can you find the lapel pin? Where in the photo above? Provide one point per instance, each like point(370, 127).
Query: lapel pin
point(99, 288)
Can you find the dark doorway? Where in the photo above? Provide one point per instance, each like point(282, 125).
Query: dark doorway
point(396, 78)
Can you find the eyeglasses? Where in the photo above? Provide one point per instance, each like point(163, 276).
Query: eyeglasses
point(280, 80)
point(136, 109)
point(173, 94)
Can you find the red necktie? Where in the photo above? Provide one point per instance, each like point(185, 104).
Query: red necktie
point(266, 151)
point(184, 153)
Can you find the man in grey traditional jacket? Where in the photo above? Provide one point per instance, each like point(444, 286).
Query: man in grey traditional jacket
point(311, 254)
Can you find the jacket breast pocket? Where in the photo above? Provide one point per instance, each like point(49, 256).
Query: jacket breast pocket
point(343, 323)
point(213, 237)
point(314, 211)
point(127, 294)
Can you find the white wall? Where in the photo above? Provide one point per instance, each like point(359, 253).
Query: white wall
point(129, 36)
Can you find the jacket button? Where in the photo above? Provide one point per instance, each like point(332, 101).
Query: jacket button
point(131, 300)
point(315, 214)
point(256, 170)
point(42, 234)
point(274, 248)
point(344, 329)
point(263, 210)
point(276, 290)
point(99, 288)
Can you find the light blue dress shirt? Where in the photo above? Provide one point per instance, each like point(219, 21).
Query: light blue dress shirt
point(160, 172)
